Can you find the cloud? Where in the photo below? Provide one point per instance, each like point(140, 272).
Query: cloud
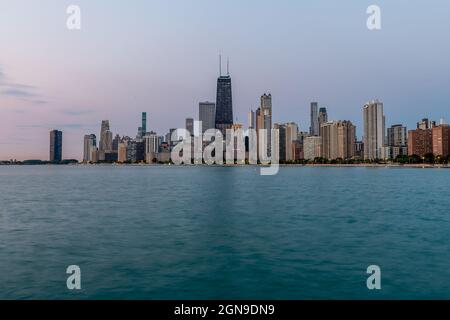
point(19, 91)
point(64, 126)
point(71, 112)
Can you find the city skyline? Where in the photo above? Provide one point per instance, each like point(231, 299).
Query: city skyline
point(51, 78)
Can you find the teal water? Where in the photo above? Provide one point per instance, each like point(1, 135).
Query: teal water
point(224, 233)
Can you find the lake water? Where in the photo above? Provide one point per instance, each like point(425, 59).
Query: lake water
point(223, 232)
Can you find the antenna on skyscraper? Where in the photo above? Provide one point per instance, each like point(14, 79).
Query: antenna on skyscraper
point(228, 66)
point(220, 65)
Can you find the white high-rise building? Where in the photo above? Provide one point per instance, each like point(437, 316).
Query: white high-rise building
point(374, 130)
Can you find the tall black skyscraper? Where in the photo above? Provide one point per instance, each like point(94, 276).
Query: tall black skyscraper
point(55, 146)
point(144, 123)
point(224, 102)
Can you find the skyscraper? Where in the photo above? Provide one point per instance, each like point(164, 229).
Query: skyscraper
point(105, 137)
point(264, 120)
point(426, 124)
point(144, 123)
point(151, 147)
point(397, 136)
point(224, 103)
point(207, 115)
point(323, 117)
point(314, 128)
point(105, 144)
point(282, 141)
point(90, 142)
point(55, 146)
point(122, 151)
point(374, 130)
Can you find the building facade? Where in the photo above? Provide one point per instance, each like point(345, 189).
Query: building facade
point(264, 122)
point(397, 142)
point(90, 142)
point(55, 146)
point(224, 104)
point(374, 130)
point(207, 115)
point(190, 126)
point(312, 147)
point(338, 140)
point(151, 147)
point(314, 119)
point(441, 140)
point(420, 142)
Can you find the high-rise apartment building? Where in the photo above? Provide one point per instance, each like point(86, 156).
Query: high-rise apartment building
point(420, 142)
point(207, 115)
point(338, 140)
point(441, 140)
point(397, 136)
point(397, 142)
point(359, 149)
point(190, 126)
point(55, 146)
point(251, 120)
point(151, 141)
point(144, 123)
point(323, 116)
point(374, 130)
point(288, 134)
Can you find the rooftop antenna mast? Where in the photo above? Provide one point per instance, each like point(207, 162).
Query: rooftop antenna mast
point(228, 66)
point(220, 65)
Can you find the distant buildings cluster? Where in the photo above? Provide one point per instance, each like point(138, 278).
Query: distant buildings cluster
point(145, 147)
point(326, 140)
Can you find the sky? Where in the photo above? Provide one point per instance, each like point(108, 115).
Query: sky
point(161, 57)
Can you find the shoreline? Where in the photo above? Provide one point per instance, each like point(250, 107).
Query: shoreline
point(362, 165)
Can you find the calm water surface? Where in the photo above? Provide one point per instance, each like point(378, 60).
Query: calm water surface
point(223, 233)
